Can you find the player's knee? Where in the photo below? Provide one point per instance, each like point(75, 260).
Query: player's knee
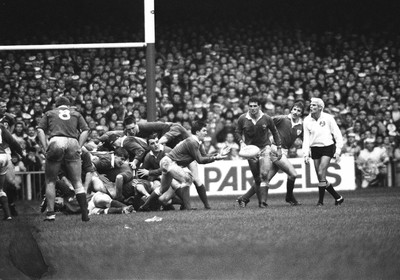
point(322, 183)
point(292, 177)
point(165, 164)
point(197, 182)
point(155, 184)
point(264, 176)
point(189, 181)
point(164, 199)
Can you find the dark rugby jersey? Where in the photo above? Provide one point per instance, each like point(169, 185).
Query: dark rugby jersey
point(288, 131)
point(152, 163)
point(63, 121)
point(104, 164)
point(256, 133)
point(189, 150)
point(148, 128)
point(136, 147)
point(172, 131)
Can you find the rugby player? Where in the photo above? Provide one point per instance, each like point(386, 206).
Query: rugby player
point(6, 140)
point(253, 129)
point(182, 156)
point(169, 134)
point(67, 131)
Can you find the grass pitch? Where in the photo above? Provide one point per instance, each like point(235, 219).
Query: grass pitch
point(358, 240)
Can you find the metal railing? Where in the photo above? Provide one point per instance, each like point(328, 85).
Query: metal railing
point(32, 183)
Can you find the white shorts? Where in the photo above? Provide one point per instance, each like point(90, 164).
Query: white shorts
point(4, 162)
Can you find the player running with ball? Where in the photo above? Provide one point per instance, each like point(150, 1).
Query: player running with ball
point(253, 129)
point(290, 127)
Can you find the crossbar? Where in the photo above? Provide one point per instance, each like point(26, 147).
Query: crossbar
point(73, 46)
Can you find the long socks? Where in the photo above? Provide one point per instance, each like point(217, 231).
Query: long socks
point(81, 198)
point(201, 190)
point(289, 189)
point(321, 191)
point(6, 208)
point(332, 191)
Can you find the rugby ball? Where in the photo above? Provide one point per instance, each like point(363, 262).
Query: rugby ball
point(249, 151)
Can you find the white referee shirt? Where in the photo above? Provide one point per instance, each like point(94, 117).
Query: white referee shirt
point(321, 132)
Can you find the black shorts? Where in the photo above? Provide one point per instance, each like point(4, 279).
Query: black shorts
point(318, 152)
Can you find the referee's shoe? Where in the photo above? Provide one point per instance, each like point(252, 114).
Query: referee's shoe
point(339, 201)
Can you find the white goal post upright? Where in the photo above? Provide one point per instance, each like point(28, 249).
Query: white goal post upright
point(149, 20)
point(149, 30)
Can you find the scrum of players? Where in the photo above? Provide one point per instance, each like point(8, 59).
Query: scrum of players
point(147, 166)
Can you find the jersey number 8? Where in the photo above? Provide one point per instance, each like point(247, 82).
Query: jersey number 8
point(64, 114)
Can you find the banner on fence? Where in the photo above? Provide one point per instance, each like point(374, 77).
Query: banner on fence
point(235, 178)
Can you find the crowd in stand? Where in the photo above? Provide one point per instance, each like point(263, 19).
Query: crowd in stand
point(210, 76)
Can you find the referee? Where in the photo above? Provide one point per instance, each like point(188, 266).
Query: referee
point(322, 141)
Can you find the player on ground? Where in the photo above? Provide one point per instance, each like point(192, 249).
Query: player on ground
point(98, 203)
point(67, 132)
point(135, 146)
point(253, 129)
point(289, 127)
point(319, 127)
point(117, 175)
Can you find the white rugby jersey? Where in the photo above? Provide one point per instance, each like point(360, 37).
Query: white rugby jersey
point(320, 133)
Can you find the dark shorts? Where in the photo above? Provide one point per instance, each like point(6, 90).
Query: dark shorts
point(318, 152)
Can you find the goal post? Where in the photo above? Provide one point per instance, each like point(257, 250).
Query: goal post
point(149, 43)
point(150, 38)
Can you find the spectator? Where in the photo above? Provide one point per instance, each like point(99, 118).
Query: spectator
point(352, 148)
point(229, 142)
point(209, 147)
point(396, 162)
point(234, 154)
point(19, 133)
point(31, 139)
point(395, 114)
point(372, 163)
point(18, 167)
point(227, 127)
point(292, 152)
point(32, 161)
